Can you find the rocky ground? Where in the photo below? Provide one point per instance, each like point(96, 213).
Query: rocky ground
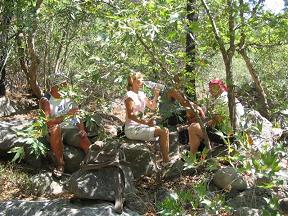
point(28, 188)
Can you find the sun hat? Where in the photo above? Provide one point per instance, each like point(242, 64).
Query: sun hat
point(57, 78)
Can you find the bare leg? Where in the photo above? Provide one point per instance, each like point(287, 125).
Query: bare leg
point(84, 143)
point(163, 135)
point(57, 146)
point(195, 137)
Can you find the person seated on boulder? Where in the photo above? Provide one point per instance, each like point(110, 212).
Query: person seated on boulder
point(139, 128)
point(219, 119)
point(61, 113)
point(173, 113)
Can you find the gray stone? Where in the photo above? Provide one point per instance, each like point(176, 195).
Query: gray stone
point(245, 211)
point(59, 208)
point(252, 198)
point(262, 137)
point(8, 134)
point(174, 170)
point(139, 158)
point(6, 107)
point(44, 183)
point(99, 184)
point(283, 205)
point(228, 178)
point(73, 158)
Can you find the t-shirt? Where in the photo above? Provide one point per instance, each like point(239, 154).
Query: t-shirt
point(139, 100)
point(220, 106)
point(59, 107)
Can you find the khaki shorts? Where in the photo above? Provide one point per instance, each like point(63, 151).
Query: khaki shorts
point(140, 132)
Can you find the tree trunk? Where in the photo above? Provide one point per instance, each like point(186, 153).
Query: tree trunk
point(231, 92)
point(28, 58)
point(227, 55)
point(7, 13)
point(192, 16)
point(264, 110)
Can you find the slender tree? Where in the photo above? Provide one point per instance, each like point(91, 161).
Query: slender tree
point(227, 53)
point(192, 17)
point(6, 16)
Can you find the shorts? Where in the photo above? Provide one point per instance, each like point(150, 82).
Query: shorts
point(140, 132)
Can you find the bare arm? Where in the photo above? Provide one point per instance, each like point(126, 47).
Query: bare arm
point(129, 104)
point(153, 103)
point(185, 102)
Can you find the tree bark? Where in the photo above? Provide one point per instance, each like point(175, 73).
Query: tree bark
point(5, 24)
point(28, 58)
point(192, 16)
point(227, 55)
point(264, 110)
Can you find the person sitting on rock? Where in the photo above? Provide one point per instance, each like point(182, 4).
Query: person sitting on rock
point(137, 128)
point(219, 120)
point(172, 113)
point(61, 113)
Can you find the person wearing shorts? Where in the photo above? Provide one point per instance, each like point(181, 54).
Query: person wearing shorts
point(139, 128)
point(61, 113)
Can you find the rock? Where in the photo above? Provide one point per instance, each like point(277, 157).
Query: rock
point(174, 170)
point(45, 184)
point(140, 158)
point(245, 211)
point(283, 205)
point(72, 157)
point(99, 184)
point(6, 107)
point(135, 203)
point(252, 198)
point(162, 194)
point(59, 208)
point(8, 134)
point(228, 178)
point(264, 136)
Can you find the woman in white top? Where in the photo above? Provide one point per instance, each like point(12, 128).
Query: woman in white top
point(138, 128)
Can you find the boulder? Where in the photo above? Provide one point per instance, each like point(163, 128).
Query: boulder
point(258, 128)
point(8, 134)
point(59, 208)
point(251, 198)
point(6, 107)
point(140, 158)
point(73, 157)
point(283, 205)
point(99, 184)
point(245, 211)
point(228, 178)
point(44, 183)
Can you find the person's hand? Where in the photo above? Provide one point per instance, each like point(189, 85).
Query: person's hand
point(156, 91)
point(53, 122)
point(82, 133)
point(201, 112)
point(72, 111)
point(151, 122)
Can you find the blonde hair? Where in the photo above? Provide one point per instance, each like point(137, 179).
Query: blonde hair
point(131, 78)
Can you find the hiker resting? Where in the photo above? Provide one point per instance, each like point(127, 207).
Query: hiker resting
point(220, 118)
point(172, 113)
point(136, 127)
point(60, 114)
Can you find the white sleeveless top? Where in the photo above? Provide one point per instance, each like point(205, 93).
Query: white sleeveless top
point(60, 107)
point(139, 100)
